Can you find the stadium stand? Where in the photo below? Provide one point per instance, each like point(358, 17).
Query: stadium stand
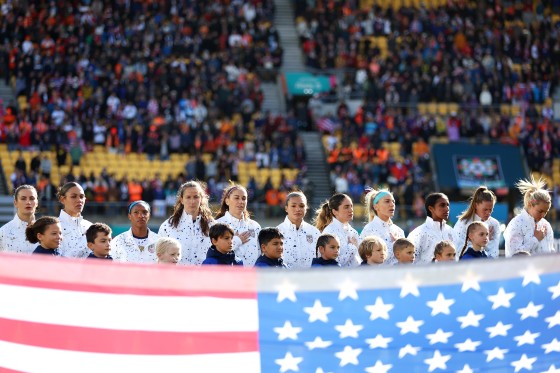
point(137, 89)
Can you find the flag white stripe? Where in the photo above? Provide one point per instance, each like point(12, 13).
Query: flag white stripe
point(128, 312)
point(37, 359)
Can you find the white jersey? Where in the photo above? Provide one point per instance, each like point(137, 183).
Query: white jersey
point(249, 251)
point(494, 234)
point(348, 255)
point(426, 236)
point(12, 237)
point(126, 248)
point(300, 244)
point(387, 231)
point(520, 235)
point(74, 242)
point(194, 244)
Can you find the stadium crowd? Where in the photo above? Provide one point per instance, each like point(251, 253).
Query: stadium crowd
point(156, 77)
point(470, 52)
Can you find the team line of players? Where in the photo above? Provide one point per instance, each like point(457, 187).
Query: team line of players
point(527, 233)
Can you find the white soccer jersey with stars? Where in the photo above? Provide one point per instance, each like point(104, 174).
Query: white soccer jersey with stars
point(74, 242)
point(520, 235)
point(249, 251)
point(426, 236)
point(194, 243)
point(299, 244)
point(126, 248)
point(12, 237)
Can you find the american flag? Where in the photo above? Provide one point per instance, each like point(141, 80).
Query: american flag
point(477, 316)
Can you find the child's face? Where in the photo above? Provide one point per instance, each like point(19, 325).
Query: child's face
point(273, 249)
point(378, 255)
point(447, 255)
point(101, 246)
point(330, 250)
point(52, 237)
point(479, 237)
point(170, 256)
point(440, 210)
point(405, 255)
point(224, 243)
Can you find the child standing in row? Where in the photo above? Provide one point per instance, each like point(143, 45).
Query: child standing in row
point(48, 233)
point(328, 246)
point(372, 250)
point(444, 251)
point(435, 228)
point(168, 250)
point(477, 235)
point(221, 251)
point(405, 251)
point(271, 242)
point(98, 237)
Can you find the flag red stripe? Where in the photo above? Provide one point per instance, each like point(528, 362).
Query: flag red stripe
point(6, 370)
point(125, 342)
point(115, 289)
point(118, 278)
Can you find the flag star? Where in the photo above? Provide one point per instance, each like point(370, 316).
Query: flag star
point(379, 309)
point(470, 281)
point(530, 275)
point(555, 290)
point(318, 343)
point(553, 320)
point(379, 367)
point(498, 329)
point(410, 325)
point(523, 363)
point(526, 338)
point(286, 290)
point(553, 346)
point(379, 341)
point(348, 356)
point(287, 331)
point(530, 311)
point(348, 329)
point(468, 345)
point(495, 353)
point(289, 362)
point(319, 370)
point(409, 285)
point(466, 369)
point(439, 337)
point(438, 361)
point(317, 312)
point(348, 290)
point(408, 349)
point(552, 369)
point(501, 299)
point(440, 305)
point(470, 319)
